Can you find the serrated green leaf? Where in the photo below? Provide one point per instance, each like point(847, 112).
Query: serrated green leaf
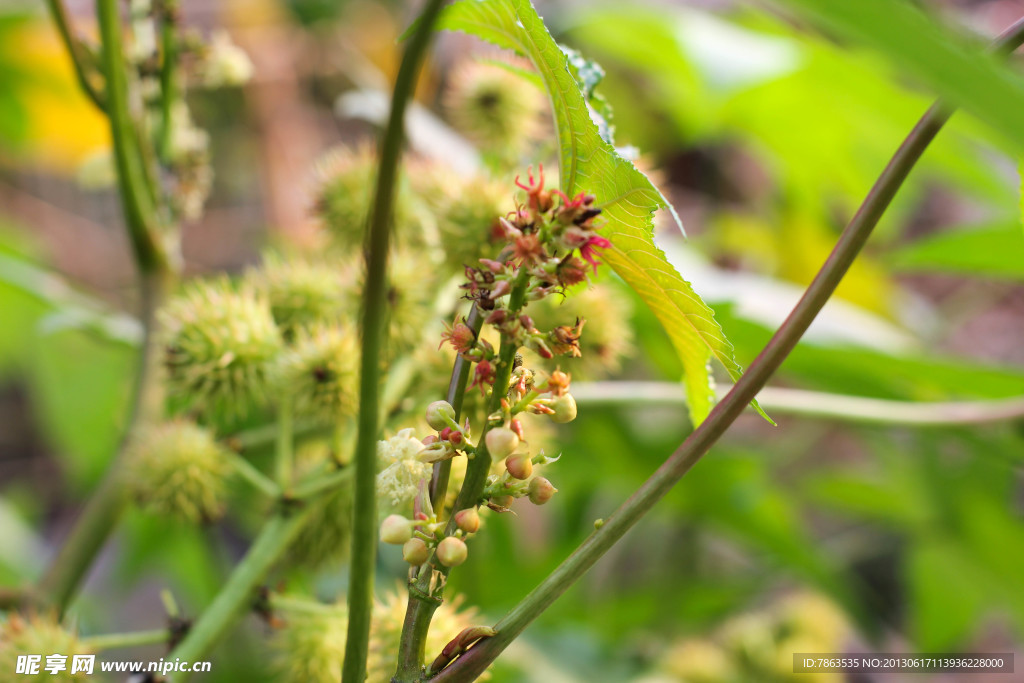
point(589, 163)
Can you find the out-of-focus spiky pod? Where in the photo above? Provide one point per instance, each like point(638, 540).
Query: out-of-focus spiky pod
point(324, 538)
point(301, 291)
point(345, 178)
point(386, 632)
point(177, 469)
point(310, 648)
point(608, 337)
point(319, 372)
point(466, 210)
point(219, 345)
point(39, 635)
point(412, 289)
point(496, 108)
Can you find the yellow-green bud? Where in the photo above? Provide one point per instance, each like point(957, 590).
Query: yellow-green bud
point(541, 490)
point(468, 520)
point(452, 551)
point(501, 441)
point(395, 529)
point(177, 469)
point(440, 414)
point(415, 551)
point(519, 465)
point(564, 407)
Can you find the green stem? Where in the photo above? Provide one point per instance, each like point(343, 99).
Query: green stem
point(136, 197)
point(284, 458)
point(240, 592)
point(77, 52)
point(69, 567)
point(476, 660)
point(306, 490)
point(815, 404)
point(252, 475)
point(419, 612)
point(301, 605)
point(364, 531)
point(116, 641)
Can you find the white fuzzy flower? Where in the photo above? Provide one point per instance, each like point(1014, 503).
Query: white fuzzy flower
point(227, 64)
point(400, 472)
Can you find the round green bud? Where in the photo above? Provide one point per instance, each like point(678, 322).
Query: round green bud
point(440, 414)
point(564, 407)
point(502, 501)
point(319, 372)
point(452, 551)
point(415, 551)
point(519, 465)
point(395, 529)
point(178, 470)
point(540, 490)
point(468, 520)
point(501, 441)
point(41, 636)
point(219, 344)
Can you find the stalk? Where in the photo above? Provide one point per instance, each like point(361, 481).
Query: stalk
point(476, 660)
point(364, 532)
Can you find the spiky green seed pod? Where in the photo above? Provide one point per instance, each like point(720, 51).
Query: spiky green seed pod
point(319, 373)
point(178, 470)
point(608, 337)
point(466, 210)
point(219, 345)
point(301, 292)
point(310, 648)
point(412, 287)
point(498, 109)
point(39, 635)
point(346, 179)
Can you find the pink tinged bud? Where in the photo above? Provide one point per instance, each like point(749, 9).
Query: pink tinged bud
point(451, 552)
point(517, 426)
point(519, 466)
point(415, 551)
point(574, 237)
point(501, 288)
point(526, 321)
point(542, 350)
point(395, 529)
point(445, 433)
point(541, 490)
point(468, 520)
point(430, 439)
point(494, 266)
point(564, 407)
point(455, 437)
point(497, 316)
point(501, 442)
point(511, 231)
point(440, 414)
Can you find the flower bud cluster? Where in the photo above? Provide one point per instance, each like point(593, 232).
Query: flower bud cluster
point(422, 536)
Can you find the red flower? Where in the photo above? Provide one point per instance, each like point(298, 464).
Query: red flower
point(482, 375)
point(589, 250)
point(539, 198)
point(459, 335)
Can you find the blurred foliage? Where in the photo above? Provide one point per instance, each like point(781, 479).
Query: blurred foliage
point(770, 136)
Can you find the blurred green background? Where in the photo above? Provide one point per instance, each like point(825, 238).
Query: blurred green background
point(820, 535)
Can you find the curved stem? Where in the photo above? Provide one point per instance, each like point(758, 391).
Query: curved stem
point(815, 404)
point(476, 660)
point(364, 532)
point(77, 52)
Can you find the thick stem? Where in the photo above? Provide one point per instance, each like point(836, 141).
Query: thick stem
point(84, 71)
point(364, 531)
point(476, 660)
